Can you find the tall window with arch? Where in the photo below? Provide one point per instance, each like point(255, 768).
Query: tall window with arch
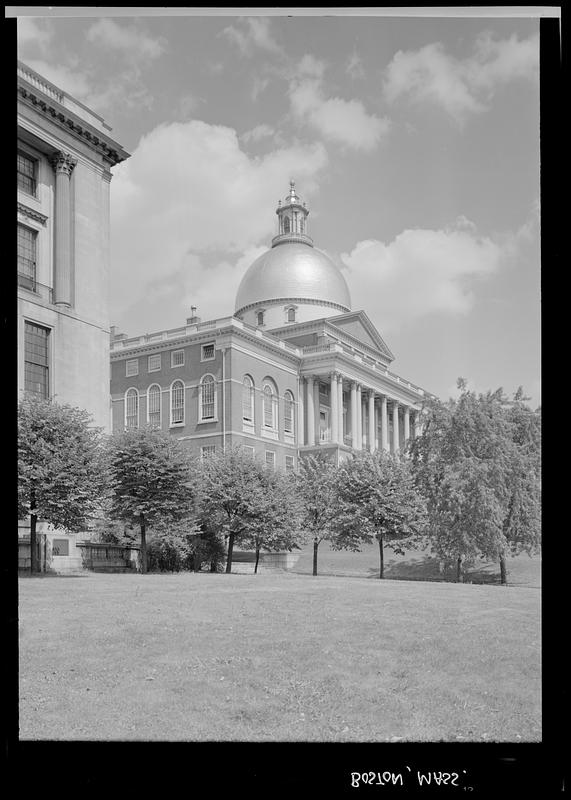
point(131, 409)
point(289, 413)
point(291, 314)
point(260, 317)
point(154, 405)
point(270, 397)
point(177, 403)
point(208, 398)
point(248, 399)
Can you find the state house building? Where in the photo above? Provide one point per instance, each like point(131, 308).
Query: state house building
point(293, 370)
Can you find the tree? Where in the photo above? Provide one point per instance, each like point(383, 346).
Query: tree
point(478, 463)
point(232, 496)
point(152, 481)
point(376, 497)
point(62, 468)
point(275, 517)
point(317, 483)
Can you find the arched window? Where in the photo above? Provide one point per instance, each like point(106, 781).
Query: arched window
point(286, 224)
point(131, 409)
point(247, 399)
point(208, 398)
point(302, 225)
point(270, 407)
point(154, 405)
point(289, 412)
point(177, 403)
point(260, 317)
point(291, 315)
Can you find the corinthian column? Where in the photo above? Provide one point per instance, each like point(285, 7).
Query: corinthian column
point(384, 424)
point(334, 397)
point(354, 415)
point(63, 165)
point(372, 430)
point(406, 423)
point(395, 427)
point(300, 420)
point(340, 410)
point(310, 412)
point(359, 419)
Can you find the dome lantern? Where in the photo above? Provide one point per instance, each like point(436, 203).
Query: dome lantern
point(292, 220)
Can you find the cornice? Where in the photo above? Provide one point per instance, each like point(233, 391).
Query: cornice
point(72, 124)
point(279, 300)
point(26, 211)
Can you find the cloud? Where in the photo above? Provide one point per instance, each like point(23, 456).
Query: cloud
point(355, 66)
point(345, 122)
point(460, 86)
point(258, 133)
point(33, 34)
point(252, 33)
point(69, 80)
point(422, 272)
point(191, 199)
point(131, 41)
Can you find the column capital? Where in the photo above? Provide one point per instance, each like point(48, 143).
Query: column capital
point(63, 163)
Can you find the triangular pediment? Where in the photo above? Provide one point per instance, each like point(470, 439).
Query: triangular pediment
point(357, 325)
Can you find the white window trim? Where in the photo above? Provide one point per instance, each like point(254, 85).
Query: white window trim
point(154, 369)
point(37, 159)
point(287, 309)
point(250, 450)
point(131, 361)
point(207, 447)
point(249, 424)
point(201, 419)
point(209, 358)
point(266, 454)
point(292, 463)
point(176, 366)
point(183, 422)
point(288, 397)
point(160, 404)
point(261, 311)
point(131, 388)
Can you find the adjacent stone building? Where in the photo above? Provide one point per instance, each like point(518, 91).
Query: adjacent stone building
point(65, 155)
point(292, 370)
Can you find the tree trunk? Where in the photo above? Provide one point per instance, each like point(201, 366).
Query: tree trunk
point(257, 560)
point(143, 543)
point(315, 546)
point(230, 549)
point(382, 558)
point(459, 573)
point(33, 544)
point(503, 571)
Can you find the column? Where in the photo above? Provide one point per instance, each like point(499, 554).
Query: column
point(316, 422)
point(395, 427)
point(406, 423)
point(63, 165)
point(417, 425)
point(310, 411)
point(372, 429)
point(377, 416)
point(384, 424)
point(334, 413)
point(300, 420)
point(340, 409)
point(359, 419)
point(354, 414)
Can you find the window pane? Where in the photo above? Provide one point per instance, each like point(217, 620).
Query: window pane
point(154, 363)
point(288, 413)
point(270, 458)
point(268, 408)
point(132, 409)
point(27, 255)
point(207, 398)
point(207, 351)
point(154, 400)
point(177, 402)
point(36, 371)
point(177, 358)
point(26, 173)
point(247, 400)
point(132, 367)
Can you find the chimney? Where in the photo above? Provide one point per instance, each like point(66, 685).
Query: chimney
point(193, 319)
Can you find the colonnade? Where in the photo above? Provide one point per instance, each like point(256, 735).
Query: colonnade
point(357, 422)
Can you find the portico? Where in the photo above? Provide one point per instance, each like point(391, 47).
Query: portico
point(344, 412)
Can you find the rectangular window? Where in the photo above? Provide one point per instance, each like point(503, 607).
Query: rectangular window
point(250, 451)
point(36, 360)
point(208, 399)
point(60, 547)
point(207, 450)
point(27, 239)
point(271, 459)
point(27, 173)
point(289, 463)
point(154, 363)
point(177, 358)
point(207, 352)
point(132, 367)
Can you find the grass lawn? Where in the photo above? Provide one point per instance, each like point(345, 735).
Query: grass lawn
point(207, 657)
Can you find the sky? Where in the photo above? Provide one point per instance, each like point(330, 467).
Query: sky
point(413, 141)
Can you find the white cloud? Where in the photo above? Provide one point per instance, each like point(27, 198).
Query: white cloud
point(258, 133)
point(461, 86)
point(33, 32)
point(251, 33)
point(421, 272)
point(128, 39)
point(190, 198)
point(355, 66)
point(343, 121)
point(74, 82)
